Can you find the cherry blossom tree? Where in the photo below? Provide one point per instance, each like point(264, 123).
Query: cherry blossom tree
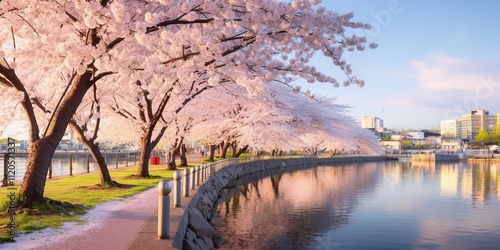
point(277, 120)
point(53, 52)
point(49, 64)
point(247, 43)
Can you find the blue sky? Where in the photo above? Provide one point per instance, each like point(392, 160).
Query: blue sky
point(436, 60)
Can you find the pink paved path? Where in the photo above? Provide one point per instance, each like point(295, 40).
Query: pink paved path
point(110, 225)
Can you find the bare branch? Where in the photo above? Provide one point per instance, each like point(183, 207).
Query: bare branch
point(13, 37)
point(39, 104)
point(100, 76)
point(33, 28)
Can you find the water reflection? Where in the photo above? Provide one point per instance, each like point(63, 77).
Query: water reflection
point(297, 205)
point(390, 205)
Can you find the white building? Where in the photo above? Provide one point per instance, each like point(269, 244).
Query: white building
point(452, 145)
point(450, 128)
point(391, 144)
point(416, 135)
point(372, 122)
point(70, 141)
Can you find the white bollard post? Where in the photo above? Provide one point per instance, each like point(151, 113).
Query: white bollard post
point(177, 188)
point(198, 170)
point(164, 188)
point(193, 183)
point(187, 176)
point(204, 172)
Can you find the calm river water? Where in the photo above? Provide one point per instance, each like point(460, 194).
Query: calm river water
point(383, 205)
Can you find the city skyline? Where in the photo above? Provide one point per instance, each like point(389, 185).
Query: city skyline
point(435, 61)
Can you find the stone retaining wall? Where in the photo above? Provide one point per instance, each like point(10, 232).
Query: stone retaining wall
point(435, 157)
point(196, 229)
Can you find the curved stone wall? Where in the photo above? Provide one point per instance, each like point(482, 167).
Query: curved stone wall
point(195, 230)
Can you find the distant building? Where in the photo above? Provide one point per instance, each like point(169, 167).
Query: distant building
point(391, 144)
point(470, 124)
point(372, 122)
point(69, 142)
point(450, 129)
point(452, 145)
point(416, 135)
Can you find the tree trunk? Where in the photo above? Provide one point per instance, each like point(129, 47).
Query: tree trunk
point(101, 163)
point(241, 151)
point(39, 159)
point(182, 155)
point(146, 149)
point(147, 146)
point(219, 149)
point(233, 149)
point(96, 154)
point(211, 152)
point(42, 149)
point(225, 146)
point(171, 165)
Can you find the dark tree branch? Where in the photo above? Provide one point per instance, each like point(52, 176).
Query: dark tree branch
point(100, 76)
point(39, 104)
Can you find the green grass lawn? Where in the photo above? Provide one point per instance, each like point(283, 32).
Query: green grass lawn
point(78, 194)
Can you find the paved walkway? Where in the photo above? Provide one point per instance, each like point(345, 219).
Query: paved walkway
point(147, 238)
point(129, 223)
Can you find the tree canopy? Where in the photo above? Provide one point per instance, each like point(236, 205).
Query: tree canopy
point(72, 62)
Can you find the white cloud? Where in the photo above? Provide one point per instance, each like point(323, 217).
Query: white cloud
point(457, 85)
point(441, 72)
point(441, 87)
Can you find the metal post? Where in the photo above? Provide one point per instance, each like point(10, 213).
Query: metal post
point(116, 160)
point(88, 163)
point(186, 181)
point(177, 188)
point(193, 183)
point(126, 159)
point(164, 188)
point(70, 165)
